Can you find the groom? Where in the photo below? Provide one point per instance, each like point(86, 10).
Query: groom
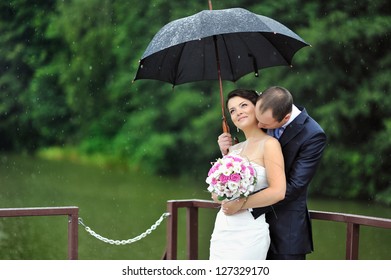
point(302, 141)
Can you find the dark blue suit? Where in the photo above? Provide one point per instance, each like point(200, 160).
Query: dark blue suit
point(302, 142)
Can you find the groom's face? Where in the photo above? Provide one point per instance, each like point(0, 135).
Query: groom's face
point(265, 119)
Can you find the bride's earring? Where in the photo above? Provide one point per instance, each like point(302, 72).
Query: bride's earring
point(237, 129)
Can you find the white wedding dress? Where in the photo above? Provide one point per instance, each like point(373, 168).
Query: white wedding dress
point(240, 236)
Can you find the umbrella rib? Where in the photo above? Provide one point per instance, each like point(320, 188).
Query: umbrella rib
point(176, 68)
point(275, 47)
point(229, 58)
point(204, 57)
point(250, 53)
point(162, 62)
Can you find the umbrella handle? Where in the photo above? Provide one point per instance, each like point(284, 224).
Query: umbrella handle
point(226, 130)
point(225, 126)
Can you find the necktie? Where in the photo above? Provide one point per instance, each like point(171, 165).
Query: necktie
point(278, 132)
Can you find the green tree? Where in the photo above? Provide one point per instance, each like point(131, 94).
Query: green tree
point(345, 82)
point(67, 69)
point(32, 110)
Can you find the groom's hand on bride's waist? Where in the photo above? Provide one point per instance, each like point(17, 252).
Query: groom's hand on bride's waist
point(256, 212)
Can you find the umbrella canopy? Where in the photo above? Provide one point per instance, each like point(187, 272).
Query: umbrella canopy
point(217, 45)
point(184, 50)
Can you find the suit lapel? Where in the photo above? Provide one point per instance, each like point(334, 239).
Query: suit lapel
point(294, 128)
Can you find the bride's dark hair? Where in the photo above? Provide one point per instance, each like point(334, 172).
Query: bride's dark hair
point(248, 94)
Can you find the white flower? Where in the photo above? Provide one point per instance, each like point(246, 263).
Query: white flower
point(231, 177)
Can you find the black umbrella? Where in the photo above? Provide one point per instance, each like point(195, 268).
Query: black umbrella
point(217, 45)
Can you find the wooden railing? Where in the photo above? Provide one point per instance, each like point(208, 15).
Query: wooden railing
point(352, 233)
point(72, 213)
point(192, 206)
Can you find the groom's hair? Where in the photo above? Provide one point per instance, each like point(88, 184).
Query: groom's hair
point(278, 99)
point(248, 94)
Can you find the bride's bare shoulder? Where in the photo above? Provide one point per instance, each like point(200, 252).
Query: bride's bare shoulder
point(271, 139)
point(272, 143)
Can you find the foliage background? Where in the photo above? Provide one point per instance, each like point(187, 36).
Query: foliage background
point(66, 70)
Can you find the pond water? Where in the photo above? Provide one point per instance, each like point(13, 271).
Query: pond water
point(121, 205)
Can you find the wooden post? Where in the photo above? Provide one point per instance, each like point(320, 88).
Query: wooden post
point(352, 241)
point(192, 233)
point(172, 231)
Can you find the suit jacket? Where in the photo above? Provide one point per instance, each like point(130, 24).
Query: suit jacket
point(302, 143)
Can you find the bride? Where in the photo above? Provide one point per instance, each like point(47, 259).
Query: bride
point(239, 236)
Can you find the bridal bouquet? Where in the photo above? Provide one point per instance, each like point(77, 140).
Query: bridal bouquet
point(231, 177)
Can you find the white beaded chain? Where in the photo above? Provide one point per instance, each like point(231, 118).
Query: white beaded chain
point(128, 241)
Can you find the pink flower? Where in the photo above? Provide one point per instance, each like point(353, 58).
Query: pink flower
point(229, 178)
point(235, 177)
point(243, 167)
point(215, 167)
point(223, 179)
